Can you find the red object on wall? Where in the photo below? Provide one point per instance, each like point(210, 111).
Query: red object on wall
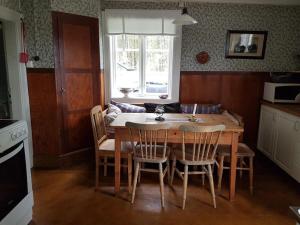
point(24, 57)
point(202, 57)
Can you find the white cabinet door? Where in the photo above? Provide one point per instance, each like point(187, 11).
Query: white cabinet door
point(266, 131)
point(285, 142)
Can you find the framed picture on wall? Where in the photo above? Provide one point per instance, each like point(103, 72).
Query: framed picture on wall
point(242, 44)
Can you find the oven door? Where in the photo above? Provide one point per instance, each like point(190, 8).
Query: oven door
point(13, 178)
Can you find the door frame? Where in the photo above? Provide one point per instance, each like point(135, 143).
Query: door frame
point(16, 71)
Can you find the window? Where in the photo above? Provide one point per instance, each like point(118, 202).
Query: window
point(141, 62)
point(140, 54)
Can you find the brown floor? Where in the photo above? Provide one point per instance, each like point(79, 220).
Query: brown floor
point(67, 197)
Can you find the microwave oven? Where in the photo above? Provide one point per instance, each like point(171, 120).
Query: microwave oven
point(282, 92)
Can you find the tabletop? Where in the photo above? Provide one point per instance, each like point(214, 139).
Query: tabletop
point(177, 119)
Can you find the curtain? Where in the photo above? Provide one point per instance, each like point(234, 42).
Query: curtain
point(141, 22)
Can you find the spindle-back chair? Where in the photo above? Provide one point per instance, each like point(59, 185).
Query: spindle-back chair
point(105, 147)
point(200, 154)
point(150, 148)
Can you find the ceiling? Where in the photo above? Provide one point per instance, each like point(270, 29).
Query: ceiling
point(261, 2)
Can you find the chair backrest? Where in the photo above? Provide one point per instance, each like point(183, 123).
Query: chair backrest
point(205, 141)
point(98, 124)
point(149, 137)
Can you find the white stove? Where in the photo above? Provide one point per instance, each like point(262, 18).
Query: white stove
point(16, 198)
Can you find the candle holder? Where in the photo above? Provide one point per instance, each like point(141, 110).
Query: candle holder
point(159, 111)
point(193, 118)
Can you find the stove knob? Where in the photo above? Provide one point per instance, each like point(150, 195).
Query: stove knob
point(13, 136)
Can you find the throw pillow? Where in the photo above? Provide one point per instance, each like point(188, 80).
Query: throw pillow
point(129, 108)
point(201, 108)
point(169, 108)
point(111, 113)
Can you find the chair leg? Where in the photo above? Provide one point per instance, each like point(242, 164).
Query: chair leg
point(241, 166)
point(139, 176)
point(136, 173)
point(211, 182)
point(168, 171)
point(203, 177)
point(161, 180)
point(97, 173)
point(185, 182)
point(220, 172)
point(251, 174)
point(173, 170)
point(129, 175)
point(105, 166)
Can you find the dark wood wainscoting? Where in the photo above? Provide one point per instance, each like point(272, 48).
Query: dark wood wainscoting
point(43, 110)
point(239, 92)
point(46, 129)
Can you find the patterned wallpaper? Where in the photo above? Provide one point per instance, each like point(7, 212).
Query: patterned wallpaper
point(39, 31)
point(81, 7)
point(282, 23)
point(38, 21)
point(11, 4)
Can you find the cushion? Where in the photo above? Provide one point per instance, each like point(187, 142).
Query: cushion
point(113, 108)
point(201, 108)
point(128, 108)
point(169, 108)
point(111, 113)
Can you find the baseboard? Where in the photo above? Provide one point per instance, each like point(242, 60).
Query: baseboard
point(76, 158)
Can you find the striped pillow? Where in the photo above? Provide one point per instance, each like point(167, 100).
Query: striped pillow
point(201, 108)
point(128, 108)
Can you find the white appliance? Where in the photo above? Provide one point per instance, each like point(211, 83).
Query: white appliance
point(282, 92)
point(16, 198)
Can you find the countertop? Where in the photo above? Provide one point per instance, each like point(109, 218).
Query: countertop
point(293, 109)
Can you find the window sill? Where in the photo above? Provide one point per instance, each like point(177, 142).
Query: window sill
point(142, 100)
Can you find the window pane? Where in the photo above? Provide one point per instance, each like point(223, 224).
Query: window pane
point(157, 62)
point(127, 58)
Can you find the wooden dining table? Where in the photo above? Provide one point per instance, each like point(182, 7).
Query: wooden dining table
point(229, 137)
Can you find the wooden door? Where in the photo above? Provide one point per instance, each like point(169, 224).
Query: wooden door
point(77, 70)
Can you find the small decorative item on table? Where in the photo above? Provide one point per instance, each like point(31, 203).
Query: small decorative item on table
point(193, 117)
point(159, 111)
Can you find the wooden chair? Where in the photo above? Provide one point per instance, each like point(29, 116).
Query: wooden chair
point(201, 153)
point(105, 147)
point(243, 152)
point(148, 151)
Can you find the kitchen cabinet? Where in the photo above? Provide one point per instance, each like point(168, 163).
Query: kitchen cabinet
point(266, 131)
point(279, 139)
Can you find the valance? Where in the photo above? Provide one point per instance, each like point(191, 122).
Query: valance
point(141, 22)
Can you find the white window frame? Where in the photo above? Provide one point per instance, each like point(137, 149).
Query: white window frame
point(174, 79)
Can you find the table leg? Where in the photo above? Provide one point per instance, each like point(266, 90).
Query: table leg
point(234, 148)
point(117, 161)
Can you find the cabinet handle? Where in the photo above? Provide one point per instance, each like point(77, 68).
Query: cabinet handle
point(297, 126)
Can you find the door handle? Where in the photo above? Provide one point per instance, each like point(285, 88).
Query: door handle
point(274, 117)
point(62, 90)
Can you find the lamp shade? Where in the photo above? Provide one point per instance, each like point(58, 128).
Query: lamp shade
point(184, 18)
